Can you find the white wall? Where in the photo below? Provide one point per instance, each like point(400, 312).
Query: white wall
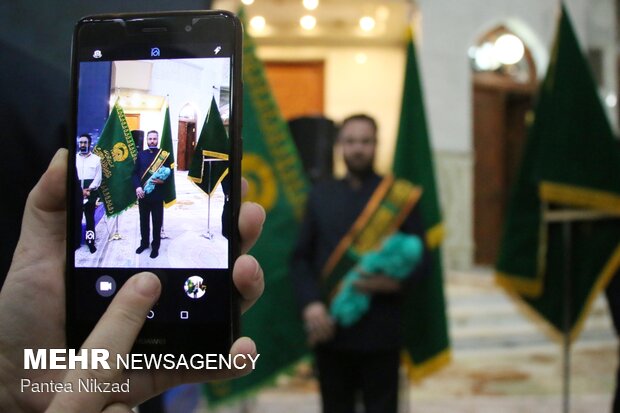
point(446, 30)
point(374, 87)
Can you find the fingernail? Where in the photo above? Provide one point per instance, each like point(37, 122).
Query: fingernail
point(147, 285)
point(57, 156)
point(256, 275)
point(264, 214)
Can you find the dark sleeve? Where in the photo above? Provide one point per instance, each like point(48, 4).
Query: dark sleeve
point(135, 177)
point(303, 273)
point(413, 225)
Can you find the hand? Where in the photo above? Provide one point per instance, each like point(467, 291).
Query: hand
point(140, 192)
point(319, 324)
point(32, 310)
point(377, 283)
point(157, 181)
point(86, 192)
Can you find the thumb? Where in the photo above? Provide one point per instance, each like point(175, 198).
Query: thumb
point(43, 230)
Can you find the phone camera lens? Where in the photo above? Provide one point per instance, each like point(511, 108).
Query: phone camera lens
point(188, 28)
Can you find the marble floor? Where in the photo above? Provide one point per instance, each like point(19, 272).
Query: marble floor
point(186, 225)
point(501, 363)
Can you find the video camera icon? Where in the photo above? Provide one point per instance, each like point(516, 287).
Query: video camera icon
point(106, 286)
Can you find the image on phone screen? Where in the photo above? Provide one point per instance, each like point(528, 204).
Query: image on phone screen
point(152, 161)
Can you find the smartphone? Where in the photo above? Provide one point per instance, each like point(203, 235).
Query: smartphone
point(154, 174)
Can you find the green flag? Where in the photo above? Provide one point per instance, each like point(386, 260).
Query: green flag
point(272, 166)
point(426, 328)
point(570, 161)
point(209, 163)
point(169, 189)
point(118, 155)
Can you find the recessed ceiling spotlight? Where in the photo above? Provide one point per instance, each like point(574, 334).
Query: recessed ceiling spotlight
point(311, 4)
point(258, 23)
point(367, 23)
point(361, 58)
point(307, 22)
point(247, 2)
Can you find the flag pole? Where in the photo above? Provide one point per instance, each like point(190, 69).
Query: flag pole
point(566, 217)
point(116, 236)
point(566, 312)
point(208, 235)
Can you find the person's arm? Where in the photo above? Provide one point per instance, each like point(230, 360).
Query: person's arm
point(34, 317)
point(315, 314)
point(135, 179)
point(96, 183)
point(383, 284)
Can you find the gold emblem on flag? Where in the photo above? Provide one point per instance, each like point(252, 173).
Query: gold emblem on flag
point(120, 152)
point(263, 187)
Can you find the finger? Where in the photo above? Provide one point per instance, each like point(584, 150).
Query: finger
point(244, 187)
point(116, 331)
point(249, 280)
point(43, 230)
point(251, 220)
point(117, 408)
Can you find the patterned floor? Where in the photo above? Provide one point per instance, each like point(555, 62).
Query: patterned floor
point(185, 223)
point(501, 363)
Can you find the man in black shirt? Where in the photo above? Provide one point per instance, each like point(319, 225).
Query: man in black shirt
point(365, 356)
point(150, 204)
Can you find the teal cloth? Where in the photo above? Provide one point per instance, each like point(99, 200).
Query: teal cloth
point(397, 257)
point(162, 173)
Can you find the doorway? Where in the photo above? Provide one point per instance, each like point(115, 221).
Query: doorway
point(502, 100)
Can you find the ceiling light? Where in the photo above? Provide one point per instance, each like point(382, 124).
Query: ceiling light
point(509, 49)
point(311, 4)
point(258, 23)
point(486, 58)
point(367, 23)
point(247, 2)
point(307, 22)
point(361, 58)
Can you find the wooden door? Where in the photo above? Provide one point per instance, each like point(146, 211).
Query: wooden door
point(186, 144)
point(298, 87)
point(133, 120)
point(500, 108)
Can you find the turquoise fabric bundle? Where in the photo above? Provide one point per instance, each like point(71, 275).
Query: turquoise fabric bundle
point(162, 173)
point(397, 257)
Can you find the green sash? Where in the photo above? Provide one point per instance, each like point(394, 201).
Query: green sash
point(157, 163)
point(384, 213)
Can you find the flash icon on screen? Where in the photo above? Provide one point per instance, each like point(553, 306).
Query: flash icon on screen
point(217, 50)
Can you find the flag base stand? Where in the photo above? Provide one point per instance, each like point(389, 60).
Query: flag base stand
point(208, 235)
point(567, 217)
point(116, 236)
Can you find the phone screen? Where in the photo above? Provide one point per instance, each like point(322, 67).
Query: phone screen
point(155, 180)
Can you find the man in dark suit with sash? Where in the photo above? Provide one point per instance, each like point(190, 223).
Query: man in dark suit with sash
point(150, 204)
point(345, 219)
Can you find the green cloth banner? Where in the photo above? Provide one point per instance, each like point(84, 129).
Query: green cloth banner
point(169, 188)
point(214, 146)
point(273, 168)
point(571, 161)
point(118, 155)
point(427, 344)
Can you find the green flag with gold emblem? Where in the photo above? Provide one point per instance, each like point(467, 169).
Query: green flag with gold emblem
point(569, 177)
point(272, 166)
point(426, 340)
point(118, 155)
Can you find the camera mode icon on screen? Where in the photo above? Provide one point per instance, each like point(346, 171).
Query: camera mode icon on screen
point(105, 285)
point(155, 52)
